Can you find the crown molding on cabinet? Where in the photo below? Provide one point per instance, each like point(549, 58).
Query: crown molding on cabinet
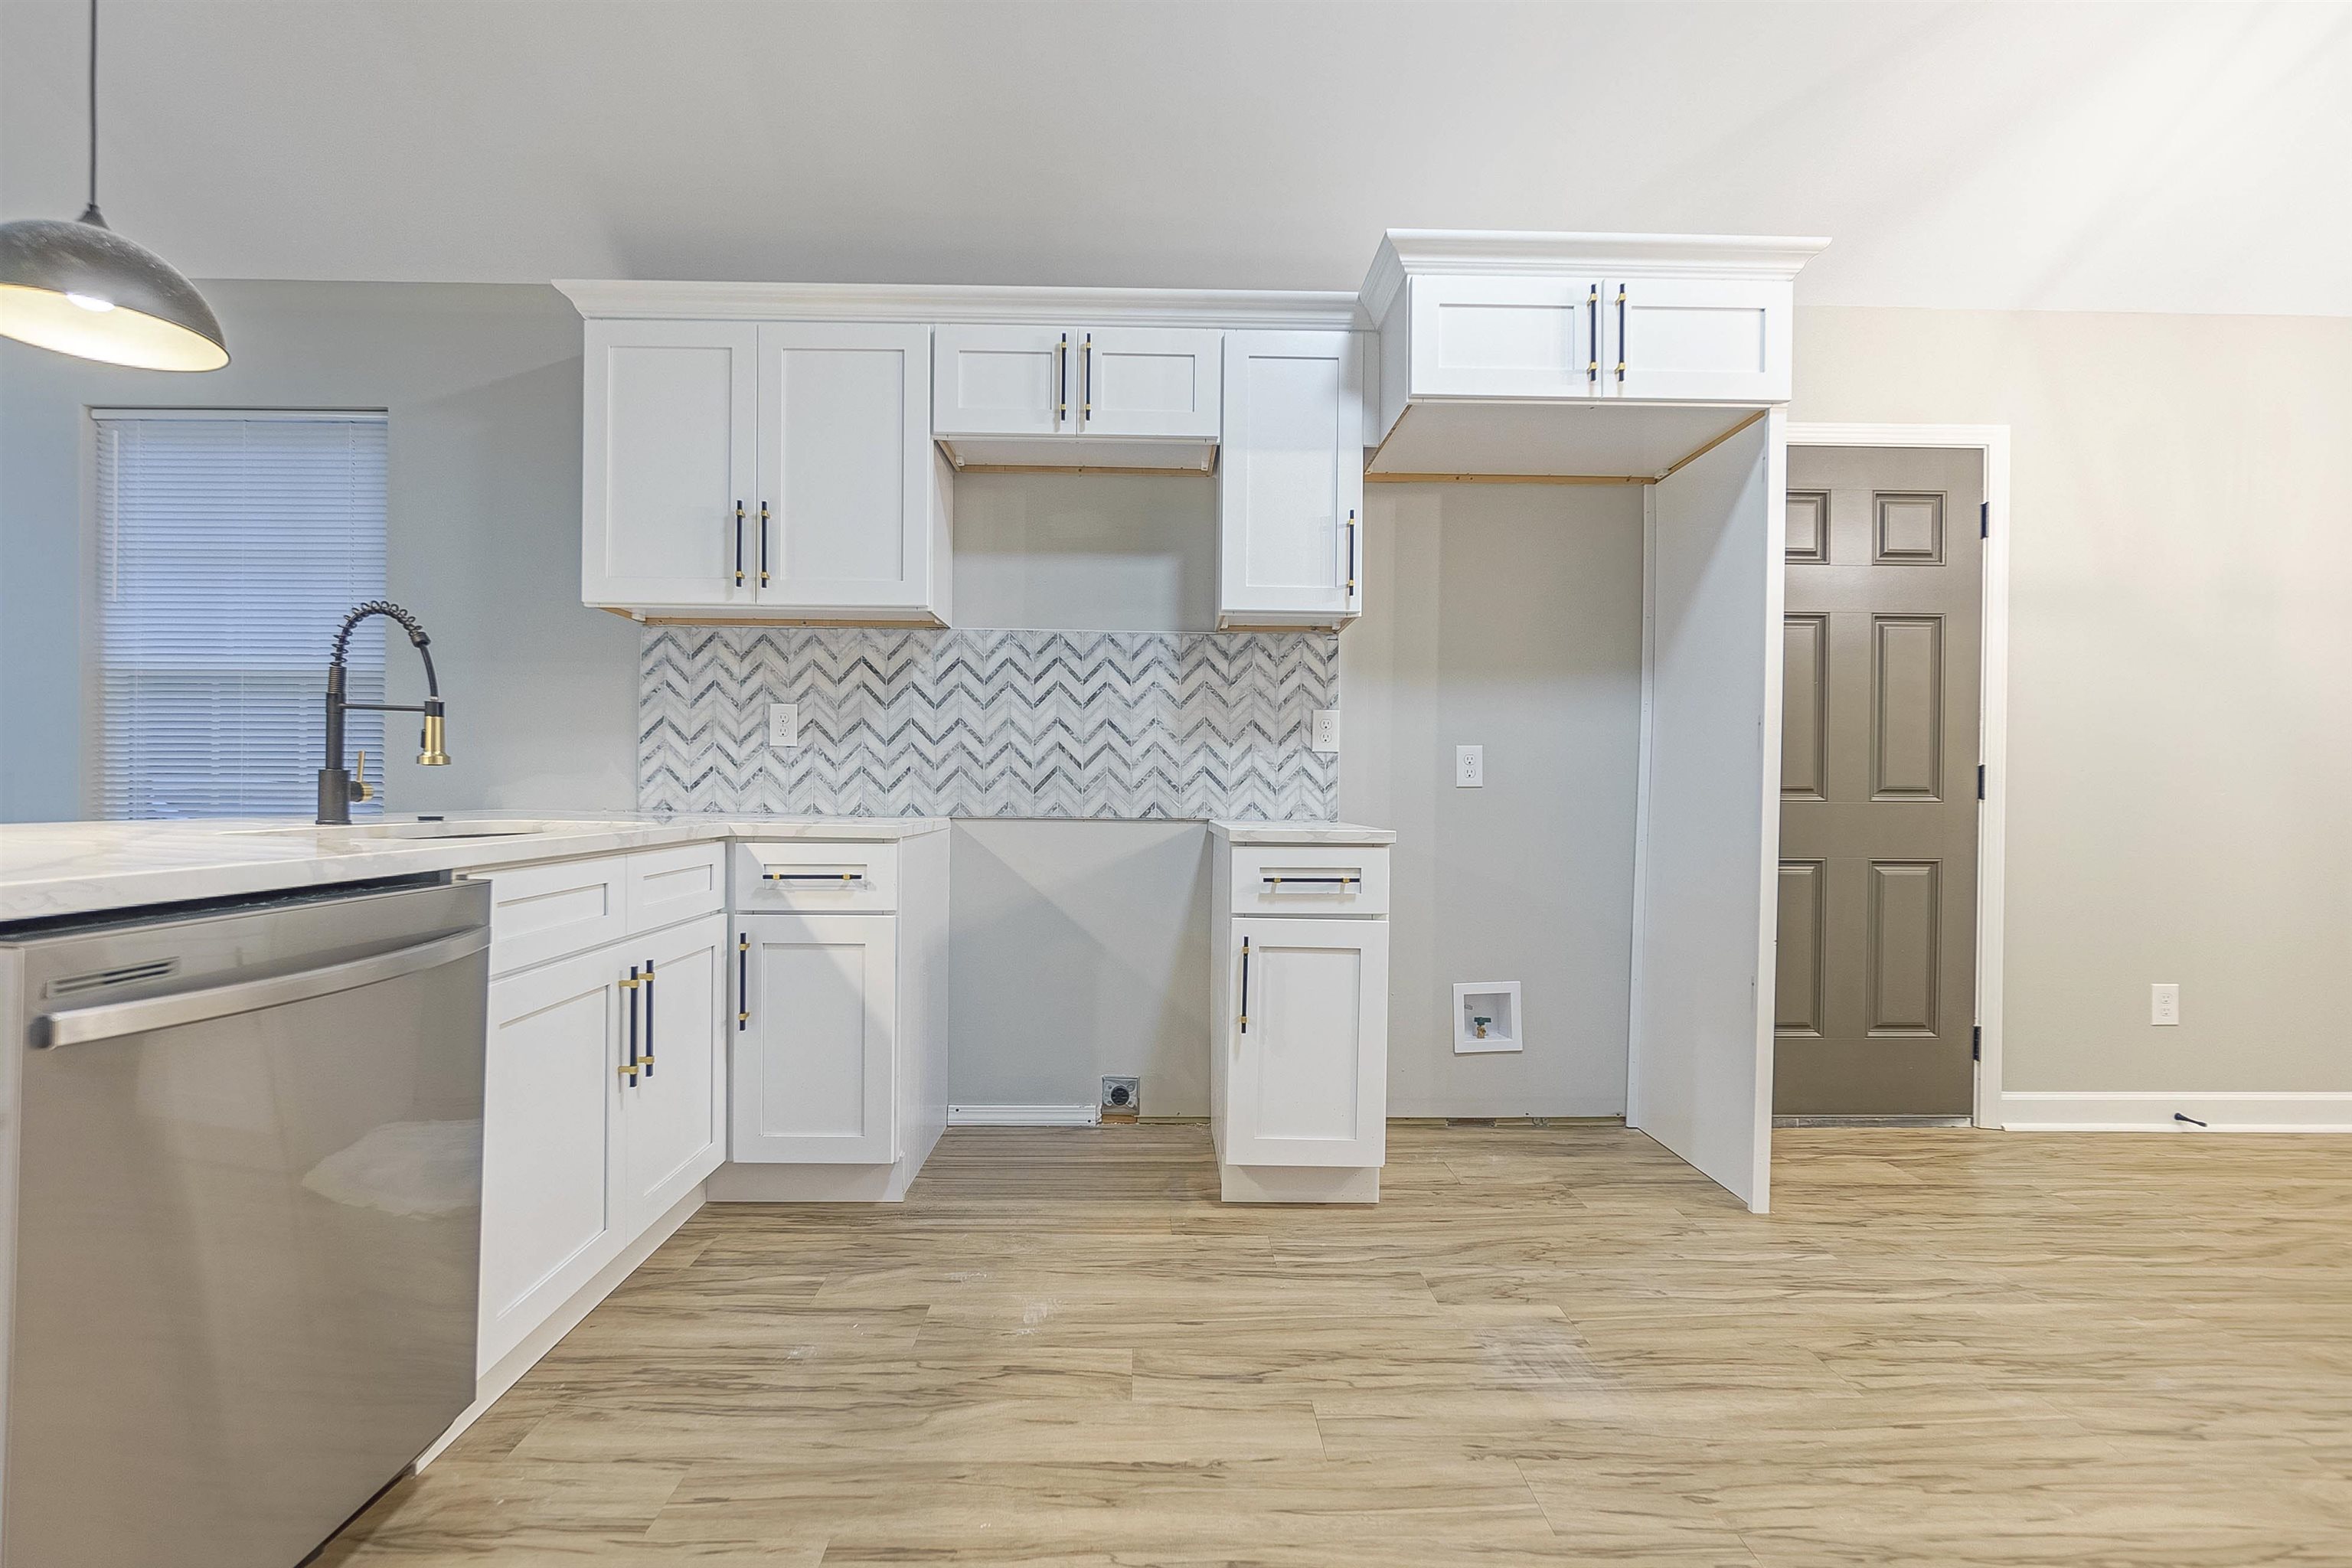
point(1264, 309)
point(1525, 253)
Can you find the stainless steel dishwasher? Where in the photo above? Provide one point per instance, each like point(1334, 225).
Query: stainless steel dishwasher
point(248, 1207)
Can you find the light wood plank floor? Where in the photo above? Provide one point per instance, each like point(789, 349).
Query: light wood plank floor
point(1543, 1346)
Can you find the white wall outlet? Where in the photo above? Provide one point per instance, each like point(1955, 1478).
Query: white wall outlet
point(1326, 731)
point(783, 723)
point(2164, 1004)
point(1469, 767)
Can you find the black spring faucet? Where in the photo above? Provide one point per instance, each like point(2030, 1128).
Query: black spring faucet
point(337, 788)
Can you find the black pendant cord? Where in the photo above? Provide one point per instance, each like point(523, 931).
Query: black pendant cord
point(90, 213)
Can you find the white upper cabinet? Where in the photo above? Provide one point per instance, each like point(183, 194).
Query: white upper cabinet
point(1074, 395)
point(1290, 483)
point(1723, 338)
point(848, 501)
point(1506, 337)
point(669, 479)
point(751, 471)
point(1157, 382)
point(1497, 352)
point(1001, 381)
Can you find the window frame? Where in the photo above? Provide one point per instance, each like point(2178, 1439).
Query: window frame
point(91, 641)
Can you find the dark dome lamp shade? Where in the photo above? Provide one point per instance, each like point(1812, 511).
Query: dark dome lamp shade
point(83, 290)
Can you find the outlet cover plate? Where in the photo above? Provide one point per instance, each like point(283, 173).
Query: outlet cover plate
point(1122, 1098)
point(783, 723)
point(1326, 731)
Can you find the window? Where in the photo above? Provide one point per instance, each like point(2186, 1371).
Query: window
point(229, 547)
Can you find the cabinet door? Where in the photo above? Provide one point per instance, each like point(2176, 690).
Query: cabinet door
point(667, 462)
point(1290, 481)
point(815, 1061)
point(1702, 339)
point(1149, 382)
point(1507, 336)
point(1306, 1075)
point(845, 465)
point(550, 1142)
point(1001, 381)
point(674, 1112)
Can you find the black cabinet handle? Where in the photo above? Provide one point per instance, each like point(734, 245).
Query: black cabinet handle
point(763, 544)
point(1339, 881)
point(742, 981)
point(812, 876)
point(1621, 334)
point(1592, 335)
point(1245, 985)
point(629, 1067)
point(1351, 556)
point(1061, 381)
point(1087, 383)
point(738, 544)
point(646, 1061)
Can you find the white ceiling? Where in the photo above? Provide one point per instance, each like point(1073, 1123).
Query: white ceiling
point(2071, 157)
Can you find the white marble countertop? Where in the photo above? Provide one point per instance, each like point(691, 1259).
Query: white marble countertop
point(1345, 833)
point(78, 868)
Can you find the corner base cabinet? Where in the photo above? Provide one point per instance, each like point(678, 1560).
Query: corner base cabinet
point(1298, 1073)
point(838, 959)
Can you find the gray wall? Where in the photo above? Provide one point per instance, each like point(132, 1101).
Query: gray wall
point(2181, 740)
point(1508, 616)
point(2181, 721)
point(483, 386)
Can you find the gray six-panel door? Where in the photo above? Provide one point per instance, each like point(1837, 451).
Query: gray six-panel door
point(1878, 784)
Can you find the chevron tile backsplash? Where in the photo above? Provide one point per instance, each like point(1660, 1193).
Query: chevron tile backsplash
point(987, 724)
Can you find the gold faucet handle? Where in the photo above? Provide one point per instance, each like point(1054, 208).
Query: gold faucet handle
point(361, 790)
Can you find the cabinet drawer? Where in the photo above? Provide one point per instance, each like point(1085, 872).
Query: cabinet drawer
point(540, 912)
point(808, 877)
point(666, 886)
point(1310, 879)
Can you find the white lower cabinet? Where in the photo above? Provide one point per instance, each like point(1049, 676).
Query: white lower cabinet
point(674, 1112)
point(816, 1076)
point(551, 1145)
point(1298, 1071)
point(840, 965)
point(1307, 1081)
point(584, 1152)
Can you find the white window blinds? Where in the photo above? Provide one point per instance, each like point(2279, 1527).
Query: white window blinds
point(230, 545)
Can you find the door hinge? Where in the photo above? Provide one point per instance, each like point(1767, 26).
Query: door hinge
point(1980, 781)
point(1984, 519)
point(1976, 1043)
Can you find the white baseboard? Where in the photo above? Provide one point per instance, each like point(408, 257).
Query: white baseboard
point(2227, 1112)
point(1024, 1115)
point(490, 1385)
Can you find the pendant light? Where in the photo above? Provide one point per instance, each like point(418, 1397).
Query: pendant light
point(83, 290)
